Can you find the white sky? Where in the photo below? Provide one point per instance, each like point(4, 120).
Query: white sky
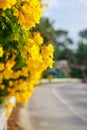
point(70, 15)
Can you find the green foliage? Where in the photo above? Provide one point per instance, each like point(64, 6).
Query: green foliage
point(83, 34)
point(20, 62)
point(68, 55)
point(81, 54)
point(76, 73)
point(12, 36)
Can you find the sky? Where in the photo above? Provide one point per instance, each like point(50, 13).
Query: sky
point(69, 15)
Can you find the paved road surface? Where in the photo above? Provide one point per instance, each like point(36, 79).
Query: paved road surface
point(58, 107)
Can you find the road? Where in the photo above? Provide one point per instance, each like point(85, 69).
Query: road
point(59, 107)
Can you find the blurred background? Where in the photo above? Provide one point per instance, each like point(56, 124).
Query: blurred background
point(64, 24)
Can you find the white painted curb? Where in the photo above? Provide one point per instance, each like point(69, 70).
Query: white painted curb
point(3, 118)
point(60, 80)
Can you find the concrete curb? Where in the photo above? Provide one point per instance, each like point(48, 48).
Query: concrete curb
point(3, 118)
point(62, 80)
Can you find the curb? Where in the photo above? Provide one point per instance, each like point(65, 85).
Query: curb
point(3, 117)
point(62, 80)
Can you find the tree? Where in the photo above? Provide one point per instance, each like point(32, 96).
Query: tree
point(68, 55)
point(81, 54)
point(83, 34)
point(63, 38)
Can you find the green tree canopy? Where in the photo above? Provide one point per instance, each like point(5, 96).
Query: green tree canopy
point(81, 54)
point(83, 34)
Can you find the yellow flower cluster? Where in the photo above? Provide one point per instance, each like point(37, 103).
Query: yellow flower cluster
point(29, 15)
point(40, 56)
point(7, 3)
point(23, 56)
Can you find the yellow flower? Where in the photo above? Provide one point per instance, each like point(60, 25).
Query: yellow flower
point(4, 4)
point(1, 51)
point(11, 83)
point(16, 74)
point(38, 39)
point(7, 73)
point(9, 105)
point(25, 71)
point(2, 66)
point(2, 86)
point(29, 14)
point(7, 114)
point(47, 51)
point(34, 51)
point(10, 64)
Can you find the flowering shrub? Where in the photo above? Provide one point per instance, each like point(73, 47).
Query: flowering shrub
point(23, 56)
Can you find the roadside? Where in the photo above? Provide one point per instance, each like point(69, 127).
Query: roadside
point(25, 121)
point(60, 80)
point(13, 122)
point(20, 119)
